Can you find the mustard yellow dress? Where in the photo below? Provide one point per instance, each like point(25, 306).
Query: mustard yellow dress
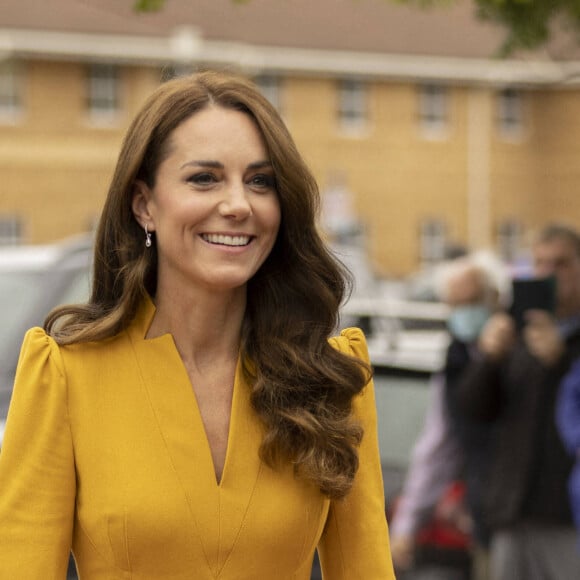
point(105, 453)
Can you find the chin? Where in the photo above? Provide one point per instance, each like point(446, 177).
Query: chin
point(227, 284)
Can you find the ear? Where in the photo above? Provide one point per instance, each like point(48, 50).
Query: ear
point(140, 204)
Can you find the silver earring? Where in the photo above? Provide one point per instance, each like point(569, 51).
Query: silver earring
point(147, 238)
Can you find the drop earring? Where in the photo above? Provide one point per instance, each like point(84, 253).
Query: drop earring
point(147, 238)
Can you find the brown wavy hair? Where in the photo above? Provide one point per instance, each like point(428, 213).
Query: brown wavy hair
point(302, 388)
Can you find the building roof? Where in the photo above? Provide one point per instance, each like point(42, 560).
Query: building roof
point(352, 25)
point(373, 37)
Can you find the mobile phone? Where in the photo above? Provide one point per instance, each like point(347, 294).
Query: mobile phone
point(532, 294)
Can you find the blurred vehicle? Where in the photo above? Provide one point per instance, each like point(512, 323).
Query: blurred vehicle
point(33, 280)
point(405, 326)
point(401, 334)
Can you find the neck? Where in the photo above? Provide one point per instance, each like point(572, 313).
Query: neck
point(206, 326)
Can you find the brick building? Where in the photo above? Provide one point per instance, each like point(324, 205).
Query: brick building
point(405, 116)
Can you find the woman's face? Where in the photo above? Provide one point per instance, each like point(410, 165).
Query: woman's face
point(214, 206)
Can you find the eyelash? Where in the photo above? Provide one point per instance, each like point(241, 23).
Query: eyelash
point(202, 179)
point(266, 181)
point(260, 180)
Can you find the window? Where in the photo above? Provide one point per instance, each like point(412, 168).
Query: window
point(510, 112)
point(269, 86)
point(103, 97)
point(433, 104)
point(433, 241)
point(509, 238)
point(10, 89)
point(10, 230)
point(352, 104)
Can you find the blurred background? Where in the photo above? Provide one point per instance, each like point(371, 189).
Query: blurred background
point(416, 131)
point(424, 143)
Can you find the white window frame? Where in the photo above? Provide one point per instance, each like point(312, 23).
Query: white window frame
point(11, 230)
point(434, 110)
point(353, 108)
point(432, 240)
point(511, 113)
point(104, 93)
point(10, 91)
point(510, 234)
point(270, 87)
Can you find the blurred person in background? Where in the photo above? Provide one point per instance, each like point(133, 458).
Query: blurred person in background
point(195, 419)
point(568, 421)
point(514, 386)
point(474, 287)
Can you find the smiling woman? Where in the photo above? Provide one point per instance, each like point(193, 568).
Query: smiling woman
point(196, 418)
point(213, 207)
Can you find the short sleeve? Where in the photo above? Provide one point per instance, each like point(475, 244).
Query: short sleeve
point(37, 475)
point(355, 542)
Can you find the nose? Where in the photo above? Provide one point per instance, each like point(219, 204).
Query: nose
point(235, 204)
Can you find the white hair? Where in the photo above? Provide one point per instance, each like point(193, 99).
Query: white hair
point(494, 275)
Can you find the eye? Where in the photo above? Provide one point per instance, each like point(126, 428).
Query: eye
point(262, 181)
point(202, 179)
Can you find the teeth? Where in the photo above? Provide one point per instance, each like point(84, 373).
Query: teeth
point(226, 240)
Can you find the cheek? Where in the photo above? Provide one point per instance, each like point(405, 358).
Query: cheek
point(272, 216)
point(276, 223)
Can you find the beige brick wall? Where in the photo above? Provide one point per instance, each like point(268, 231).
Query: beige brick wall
point(55, 164)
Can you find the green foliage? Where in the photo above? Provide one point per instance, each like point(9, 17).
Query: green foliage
point(148, 5)
point(529, 22)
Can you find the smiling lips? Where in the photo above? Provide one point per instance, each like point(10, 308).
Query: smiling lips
point(227, 240)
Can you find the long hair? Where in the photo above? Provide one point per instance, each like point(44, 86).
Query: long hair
point(302, 388)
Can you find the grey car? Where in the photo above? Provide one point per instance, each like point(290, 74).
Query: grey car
point(33, 280)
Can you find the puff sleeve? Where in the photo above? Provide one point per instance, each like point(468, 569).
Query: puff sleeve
point(37, 475)
point(355, 542)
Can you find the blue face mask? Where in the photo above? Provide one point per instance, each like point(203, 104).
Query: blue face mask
point(466, 322)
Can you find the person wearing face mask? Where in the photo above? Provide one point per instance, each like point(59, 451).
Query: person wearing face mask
point(473, 286)
point(514, 386)
point(466, 322)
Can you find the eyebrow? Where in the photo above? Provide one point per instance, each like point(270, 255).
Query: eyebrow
point(218, 165)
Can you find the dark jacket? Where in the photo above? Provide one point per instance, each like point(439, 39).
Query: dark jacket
point(474, 437)
point(529, 466)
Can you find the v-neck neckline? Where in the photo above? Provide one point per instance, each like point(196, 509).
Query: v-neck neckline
point(219, 509)
point(231, 420)
point(142, 324)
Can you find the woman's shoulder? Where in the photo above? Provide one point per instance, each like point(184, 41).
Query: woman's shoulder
point(41, 343)
point(351, 341)
point(37, 344)
point(40, 360)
